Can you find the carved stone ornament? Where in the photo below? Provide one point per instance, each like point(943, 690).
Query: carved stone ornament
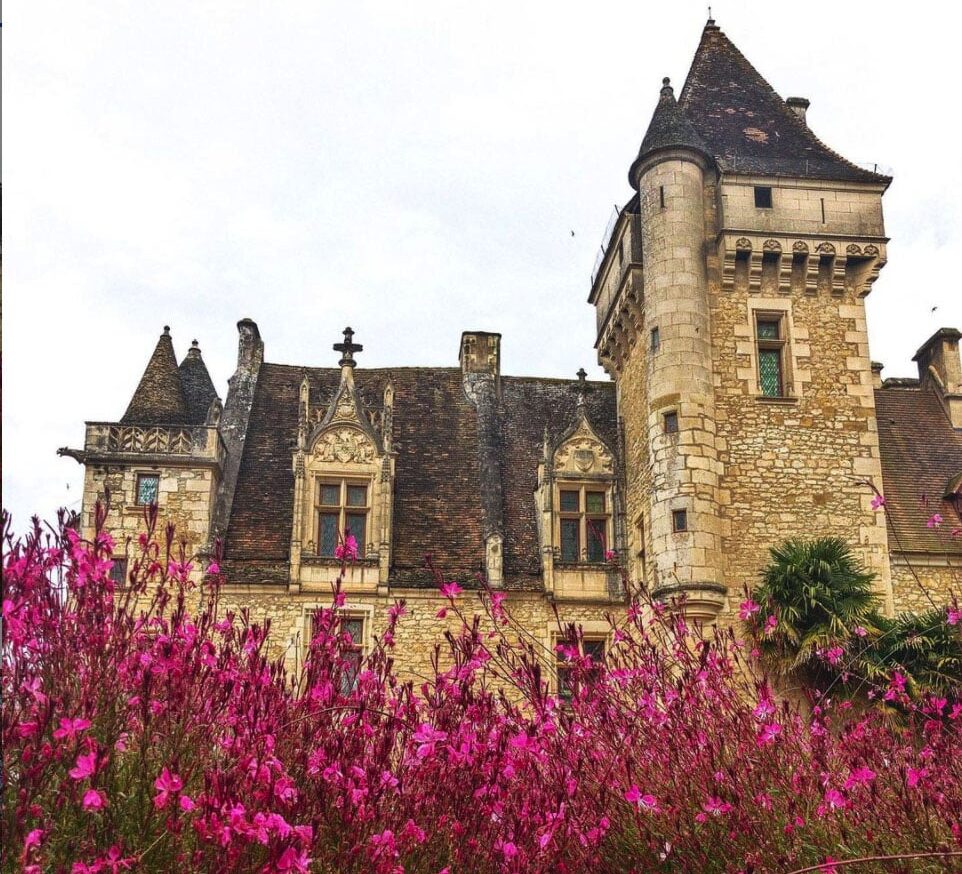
point(772, 246)
point(345, 406)
point(800, 246)
point(743, 244)
point(871, 250)
point(344, 446)
point(853, 249)
point(583, 453)
point(825, 248)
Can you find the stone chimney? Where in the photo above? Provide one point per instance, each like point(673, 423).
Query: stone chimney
point(235, 417)
point(798, 105)
point(877, 368)
point(940, 370)
point(480, 358)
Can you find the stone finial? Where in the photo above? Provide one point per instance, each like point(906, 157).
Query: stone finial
point(348, 348)
point(666, 89)
point(194, 351)
point(581, 387)
point(798, 105)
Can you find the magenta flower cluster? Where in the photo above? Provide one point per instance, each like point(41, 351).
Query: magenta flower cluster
point(146, 728)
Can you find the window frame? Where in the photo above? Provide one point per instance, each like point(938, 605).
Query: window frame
point(137, 479)
point(361, 647)
point(768, 344)
point(343, 509)
point(767, 193)
point(560, 664)
point(585, 518)
point(679, 513)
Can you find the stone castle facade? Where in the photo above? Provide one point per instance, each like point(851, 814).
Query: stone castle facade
point(743, 409)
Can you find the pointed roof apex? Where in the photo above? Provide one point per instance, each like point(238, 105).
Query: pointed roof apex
point(198, 387)
point(159, 398)
point(746, 126)
point(669, 129)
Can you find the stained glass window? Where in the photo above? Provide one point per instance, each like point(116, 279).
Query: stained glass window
point(342, 506)
point(770, 372)
point(583, 525)
point(148, 487)
point(570, 539)
point(771, 355)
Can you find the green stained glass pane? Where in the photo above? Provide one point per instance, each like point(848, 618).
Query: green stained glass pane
point(768, 331)
point(569, 502)
point(569, 539)
point(770, 372)
point(327, 535)
point(595, 502)
point(357, 496)
point(147, 488)
point(330, 495)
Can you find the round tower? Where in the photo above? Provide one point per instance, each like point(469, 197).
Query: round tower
point(683, 524)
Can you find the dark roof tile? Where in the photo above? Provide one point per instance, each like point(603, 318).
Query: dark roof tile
point(159, 398)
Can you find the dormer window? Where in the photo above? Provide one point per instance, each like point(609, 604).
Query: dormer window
point(584, 522)
point(342, 508)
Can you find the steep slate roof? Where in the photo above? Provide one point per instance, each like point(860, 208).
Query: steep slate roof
point(747, 127)
point(437, 505)
point(669, 128)
point(199, 391)
point(159, 398)
point(921, 452)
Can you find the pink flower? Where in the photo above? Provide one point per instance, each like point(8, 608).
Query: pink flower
point(213, 569)
point(835, 799)
point(33, 839)
point(954, 616)
point(935, 520)
point(509, 849)
point(347, 548)
point(858, 631)
point(828, 867)
point(878, 502)
point(914, 776)
point(834, 655)
point(292, 860)
point(426, 737)
point(94, 800)
point(648, 802)
point(187, 803)
point(859, 777)
point(610, 555)
point(714, 806)
point(769, 732)
point(85, 766)
point(70, 728)
point(747, 609)
point(771, 624)
point(451, 590)
point(166, 785)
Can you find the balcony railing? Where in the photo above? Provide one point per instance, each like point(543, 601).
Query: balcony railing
point(174, 440)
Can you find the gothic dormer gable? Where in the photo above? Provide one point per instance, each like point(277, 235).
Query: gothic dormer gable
point(581, 452)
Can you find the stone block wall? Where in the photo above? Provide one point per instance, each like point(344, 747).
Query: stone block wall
point(940, 576)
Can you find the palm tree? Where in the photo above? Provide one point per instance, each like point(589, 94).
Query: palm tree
point(818, 593)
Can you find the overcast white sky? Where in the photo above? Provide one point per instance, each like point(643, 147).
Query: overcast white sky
point(412, 169)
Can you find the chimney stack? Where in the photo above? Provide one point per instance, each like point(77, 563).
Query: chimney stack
point(798, 105)
point(940, 369)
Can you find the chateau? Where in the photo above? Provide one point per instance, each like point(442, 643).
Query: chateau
point(743, 408)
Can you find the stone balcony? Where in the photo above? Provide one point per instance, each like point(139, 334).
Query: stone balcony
point(161, 444)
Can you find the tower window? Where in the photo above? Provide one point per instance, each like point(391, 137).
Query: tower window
point(342, 506)
point(679, 520)
point(671, 422)
point(655, 340)
point(770, 334)
point(763, 197)
point(148, 488)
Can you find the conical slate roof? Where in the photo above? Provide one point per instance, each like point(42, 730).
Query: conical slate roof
point(197, 385)
point(669, 128)
point(159, 398)
point(746, 126)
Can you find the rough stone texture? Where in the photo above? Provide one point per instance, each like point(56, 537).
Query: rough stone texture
point(159, 397)
point(941, 578)
point(418, 632)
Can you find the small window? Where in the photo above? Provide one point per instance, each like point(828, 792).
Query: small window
point(148, 488)
point(770, 337)
point(763, 197)
point(671, 422)
point(621, 253)
point(655, 340)
point(661, 196)
point(591, 647)
point(351, 631)
point(118, 572)
point(679, 520)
